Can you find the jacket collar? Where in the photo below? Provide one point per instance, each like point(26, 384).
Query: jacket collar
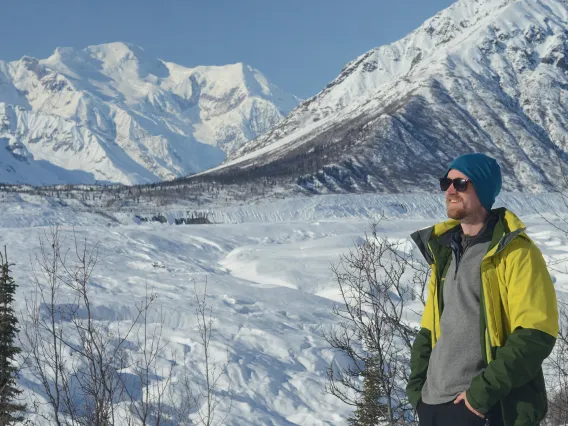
point(507, 228)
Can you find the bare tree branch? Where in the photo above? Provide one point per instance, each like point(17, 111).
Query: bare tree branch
point(373, 334)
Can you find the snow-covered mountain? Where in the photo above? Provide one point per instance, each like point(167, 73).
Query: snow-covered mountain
point(112, 113)
point(482, 75)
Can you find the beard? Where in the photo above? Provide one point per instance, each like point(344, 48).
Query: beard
point(457, 210)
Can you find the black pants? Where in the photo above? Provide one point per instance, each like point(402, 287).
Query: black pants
point(450, 414)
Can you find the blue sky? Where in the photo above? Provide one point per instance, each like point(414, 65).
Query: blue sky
point(300, 45)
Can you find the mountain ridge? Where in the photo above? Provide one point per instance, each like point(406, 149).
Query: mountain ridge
point(484, 76)
point(110, 113)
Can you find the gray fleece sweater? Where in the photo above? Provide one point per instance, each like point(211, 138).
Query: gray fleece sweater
point(456, 357)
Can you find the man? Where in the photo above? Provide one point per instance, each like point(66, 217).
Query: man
point(491, 316)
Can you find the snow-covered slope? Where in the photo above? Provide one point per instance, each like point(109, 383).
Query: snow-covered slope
point(270, 285)
point(482, 75)
point(111, 113)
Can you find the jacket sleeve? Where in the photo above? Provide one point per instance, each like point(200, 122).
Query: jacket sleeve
point(533, 316)
point(419, 358)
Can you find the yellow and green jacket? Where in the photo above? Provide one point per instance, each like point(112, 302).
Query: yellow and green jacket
point(519, 321)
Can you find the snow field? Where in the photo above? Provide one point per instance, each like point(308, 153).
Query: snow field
point(269, 281)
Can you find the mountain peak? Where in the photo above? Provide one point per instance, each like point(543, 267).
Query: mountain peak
point(481, 75)
point(114, 113)
point(116, 51)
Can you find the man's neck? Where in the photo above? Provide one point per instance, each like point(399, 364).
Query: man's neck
point(472, 225)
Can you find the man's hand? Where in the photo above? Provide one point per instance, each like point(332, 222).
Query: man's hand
point(461, 398)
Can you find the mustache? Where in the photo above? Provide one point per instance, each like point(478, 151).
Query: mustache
point(453, 198)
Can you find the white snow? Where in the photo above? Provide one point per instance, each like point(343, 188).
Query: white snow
point(268, 271)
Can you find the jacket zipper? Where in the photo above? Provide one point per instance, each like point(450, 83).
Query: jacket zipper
point(486, 339)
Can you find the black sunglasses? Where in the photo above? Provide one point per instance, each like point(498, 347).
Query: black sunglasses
point(460, 184)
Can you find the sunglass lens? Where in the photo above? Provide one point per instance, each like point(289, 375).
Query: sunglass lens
point(445, 183)
point(460, 184)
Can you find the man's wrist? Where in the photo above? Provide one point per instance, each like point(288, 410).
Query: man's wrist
point(474, 404)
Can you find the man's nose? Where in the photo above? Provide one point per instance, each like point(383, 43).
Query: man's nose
point(451, 190)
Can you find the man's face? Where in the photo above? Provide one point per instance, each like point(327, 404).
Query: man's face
point(461, 205)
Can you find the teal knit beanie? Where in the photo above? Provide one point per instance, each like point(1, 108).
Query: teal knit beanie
point(484, 173)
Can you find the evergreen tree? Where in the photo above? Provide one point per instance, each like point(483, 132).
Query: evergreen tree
point(370, 411)
point(10, 410)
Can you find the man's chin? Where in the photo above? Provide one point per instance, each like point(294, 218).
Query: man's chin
point(455, 213)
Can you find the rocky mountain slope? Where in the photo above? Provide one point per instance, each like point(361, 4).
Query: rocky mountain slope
point(482, 75)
